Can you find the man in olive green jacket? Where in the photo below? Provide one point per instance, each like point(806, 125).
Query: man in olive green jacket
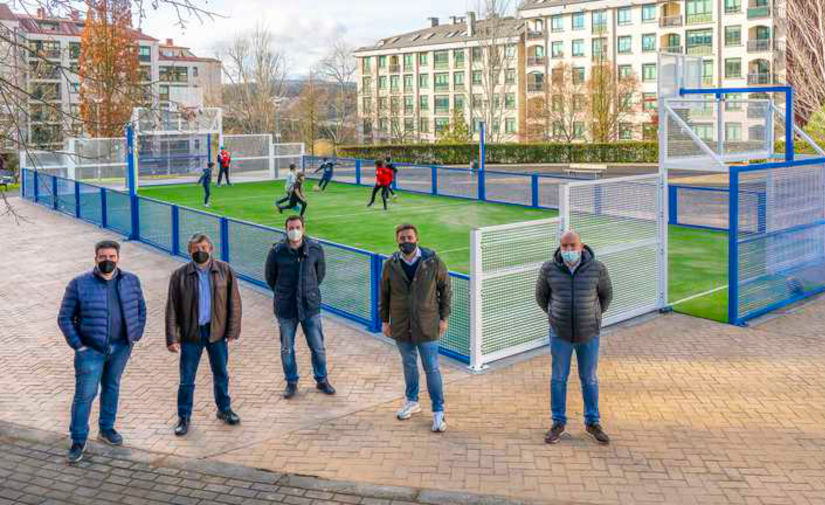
point(415, 306)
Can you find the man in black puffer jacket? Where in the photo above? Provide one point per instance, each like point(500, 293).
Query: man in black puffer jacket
point(575, 290)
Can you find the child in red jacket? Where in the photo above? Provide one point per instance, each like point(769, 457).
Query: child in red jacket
point(383, 179)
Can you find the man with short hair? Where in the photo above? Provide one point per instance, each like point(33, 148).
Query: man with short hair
point(102, 315)
point(575, 290)
point(224, 161)
point(328, 167)
point(295, 269)
point(203, 311)
point(415, 304)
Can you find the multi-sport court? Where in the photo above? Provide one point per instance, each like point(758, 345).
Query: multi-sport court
point(744, 236)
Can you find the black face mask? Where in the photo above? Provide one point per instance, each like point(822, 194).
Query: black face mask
point(106, 266)
point(407, 247)
point(200, 257)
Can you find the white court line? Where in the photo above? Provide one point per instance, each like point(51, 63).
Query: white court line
point(453, 250)
point(699, 295)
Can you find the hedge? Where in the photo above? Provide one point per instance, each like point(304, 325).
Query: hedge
point(462, 154)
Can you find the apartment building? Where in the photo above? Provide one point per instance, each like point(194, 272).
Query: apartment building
point(742, 43)
point(414, 86)
point(166, 71)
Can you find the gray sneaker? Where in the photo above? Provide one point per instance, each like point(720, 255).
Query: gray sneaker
point(439, 424)
point(408, 410)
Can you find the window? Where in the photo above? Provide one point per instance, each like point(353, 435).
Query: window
point(703, 131)
point(145, 53)
point(476, 54)
point(422, 59)
point(408, 83)
point(733, 6)
point(626, 102)
point(578, 21)
point(557, 23)
point(733, 132)
point(382, 82)
point(395, 105)
point(365, 64)
point(699, 41)
point(382, 62)
point(441, 59)
point(733, 102)
point(424, 125)
point(625, 131)
point(458, 58)
point(625, 71)
point(707, 71)
point(442, 81)
point(477, 125)
point(648, 13)
point(74, 50)
point(648, 42)
point(599, 48)
point(442, 104)
point(366, 84)
point(409, 124)
point(557, 49)
point(699, 11)
point(476, 77)
point(477, 101)
point(383, 125)
point(496, 126)
point(733, 68)
point(599, 21)
point(424, 103)
point(382, 104)
point(194, 71)
point(578, 47)
point(623, 45)
point(510, 51)
point(442, 124)
point(458, 80)
point(649, 102)
point(367, 104)
point(649, 131)
point(424, 81)
point(458, 102)
point(578, 130)
point(578, 75)
point(510, 101)
point(408, 62)
point(510, 76)
point(623, 16)
point(395, 83)
point(556, 104)
point(733, 36)
point(510, 125)
point(649, 72)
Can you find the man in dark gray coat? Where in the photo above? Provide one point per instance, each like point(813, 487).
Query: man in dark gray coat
point(575, 290)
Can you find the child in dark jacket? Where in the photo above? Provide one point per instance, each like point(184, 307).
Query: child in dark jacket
point(206, 180)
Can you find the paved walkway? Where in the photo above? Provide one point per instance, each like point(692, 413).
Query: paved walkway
point(699, 412)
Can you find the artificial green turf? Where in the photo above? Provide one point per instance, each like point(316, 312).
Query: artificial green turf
point(697, 258)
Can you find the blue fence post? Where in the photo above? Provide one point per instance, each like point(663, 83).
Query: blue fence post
point(209, 148)
point(672, 205)
point(357, 172)
point(175, 230)
point(54, 193)
point(225, 239)
point(104, 219)
point(482, 190)
point(789, 116)
point(23, 183)
point(434, 177)
point(36, 182)
point(77, 199)
point(375, 292)
point(134, 207)
point(534, 190)
point(733, 247)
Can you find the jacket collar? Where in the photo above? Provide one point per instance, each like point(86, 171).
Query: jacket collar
point(425, 254)
point(587, 256)
point(191, 269)
point(97, 275)
point(308, 243)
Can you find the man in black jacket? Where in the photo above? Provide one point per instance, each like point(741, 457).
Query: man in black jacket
point(295, 269)
point(575, 290)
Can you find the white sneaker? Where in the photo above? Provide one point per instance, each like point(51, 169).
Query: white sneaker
point(395, 197)
point(206, 205)
point(439, 424)
point(408, 410)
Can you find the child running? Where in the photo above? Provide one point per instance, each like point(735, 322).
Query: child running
point(296, 196)
point(206, 180)
point(389, 164)
point(327, 166)
point(383, 178)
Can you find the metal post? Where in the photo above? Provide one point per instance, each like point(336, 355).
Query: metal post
point(54, 192)
point(23, 182)
point(376, 265)
point(789, 113)
point(209, 148)
point(534, 190)
point(720, 126)
point(225, 239)
point(476, 316)
point(175, 230)
point(77, 199)
point(357, 172)
point(733, 247)
point(482, 147)
point(673, 204)
point(273, 173)
point(482, 189)
point(104, 219)
point(134, 207)
point(131, 174)
point(434, 180)
point(36, 181)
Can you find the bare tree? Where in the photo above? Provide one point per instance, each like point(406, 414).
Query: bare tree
point(612, 100)
point(805, 21)
point(568, 103)
point(339, 67)
point(256, 73)
point(309, 111)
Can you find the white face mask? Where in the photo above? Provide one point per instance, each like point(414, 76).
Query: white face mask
point(295, 234)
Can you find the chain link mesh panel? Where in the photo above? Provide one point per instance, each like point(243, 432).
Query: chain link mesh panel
point(45, 189)
point(102, 160)
point(415, 178)
point(250, 154)
point(90, 204)
point(192, 222)
point(347, 285)
point(457, 182)
point(156, 223)
point(457, 339)
point(200, 120)
point(65, 196)
point(118, 212)
point(165, 155)
point(508, 187)
point(28, 184)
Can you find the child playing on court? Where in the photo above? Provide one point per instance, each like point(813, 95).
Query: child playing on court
point(328, 167)
point(296, 196)
point(206, 180)
point(389, 164)
point(383, 179)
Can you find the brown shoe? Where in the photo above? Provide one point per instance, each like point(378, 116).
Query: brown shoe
point(554, 435)
point(596, 431)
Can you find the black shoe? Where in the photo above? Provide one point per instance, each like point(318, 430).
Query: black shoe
point(291, 389)
point(554, 435)
point(182, 427)
point(111, 437)
point(595, 430)
point(229, 417)
point(326, 387)
point(76, 452)
point(280, 210)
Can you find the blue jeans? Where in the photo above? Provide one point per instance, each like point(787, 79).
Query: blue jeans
point(429, 358)
point(190, 357)
point(93, 369)
point(587, 355)
point(314, 333)
point(206, 193)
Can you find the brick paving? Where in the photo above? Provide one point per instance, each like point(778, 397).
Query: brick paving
point(699, 413)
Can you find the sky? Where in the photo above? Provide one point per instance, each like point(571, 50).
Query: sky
point(303, 28)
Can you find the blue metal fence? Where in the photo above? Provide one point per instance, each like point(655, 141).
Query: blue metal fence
point(350, 289)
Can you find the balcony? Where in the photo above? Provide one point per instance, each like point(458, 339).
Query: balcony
point(733, 9)
point(672, 49)
point(695, 19)
point(533, 61)
point(558, 54)
point(442, 87)
point(761, 11)
point(532, 35)
point(666, 21)
point(599, 28)
point(759, 45)
point(703, 50)
point(535, 87)
point(759, 78)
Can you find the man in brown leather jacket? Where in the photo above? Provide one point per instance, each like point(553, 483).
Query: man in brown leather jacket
point(203, 311)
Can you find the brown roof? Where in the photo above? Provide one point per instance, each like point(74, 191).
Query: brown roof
point(65, 26)
point(443, 34)
point(6, 14)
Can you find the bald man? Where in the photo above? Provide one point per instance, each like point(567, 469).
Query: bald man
point(574, 289)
